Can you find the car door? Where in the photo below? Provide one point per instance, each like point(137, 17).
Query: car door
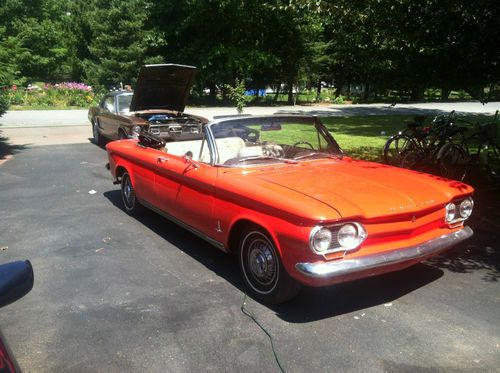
point(106, 116)
point(143, 174)
point(186, 191)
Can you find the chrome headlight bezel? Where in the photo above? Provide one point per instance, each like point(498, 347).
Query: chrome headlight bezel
point(466, 207)
point(450, 212)
point(336, 242)
point(457, 211)
point(135, 131)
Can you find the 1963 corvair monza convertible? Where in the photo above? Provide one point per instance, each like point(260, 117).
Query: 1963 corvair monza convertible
point(278, 192)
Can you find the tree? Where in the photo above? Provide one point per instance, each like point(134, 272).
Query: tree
point(118, 41)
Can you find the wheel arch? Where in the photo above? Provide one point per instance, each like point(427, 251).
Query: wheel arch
point(240, 225)
point(123, 131)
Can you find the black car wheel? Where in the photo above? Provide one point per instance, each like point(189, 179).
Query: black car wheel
point(262, 269)
point(98, 139)
point(130, 202)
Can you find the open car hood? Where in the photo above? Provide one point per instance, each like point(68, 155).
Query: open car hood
point(163, 86)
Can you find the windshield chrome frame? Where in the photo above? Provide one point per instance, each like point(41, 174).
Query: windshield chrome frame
point(266, 119)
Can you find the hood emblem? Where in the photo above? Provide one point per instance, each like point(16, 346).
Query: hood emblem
point(413, 218)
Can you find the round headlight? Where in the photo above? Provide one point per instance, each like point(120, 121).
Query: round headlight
point(321, 240)
point(136, 130)
point(451, 212)
point(351, 235)
point(466, 208)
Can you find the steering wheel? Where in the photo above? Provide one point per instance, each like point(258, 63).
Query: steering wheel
point(290, 151)
point(304, 143)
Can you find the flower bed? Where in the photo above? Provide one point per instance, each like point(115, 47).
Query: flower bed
point(66, 94)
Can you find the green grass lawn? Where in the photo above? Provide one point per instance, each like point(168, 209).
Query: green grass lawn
point(364, 136)
point(361, 137)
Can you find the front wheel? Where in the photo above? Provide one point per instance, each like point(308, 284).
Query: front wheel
point(262, 269)
point(130, 202)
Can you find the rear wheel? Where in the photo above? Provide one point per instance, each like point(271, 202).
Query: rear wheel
point(453, 161)
point(98, 139)
point(490, 155)
point(396, 148)
point(262, 269)
point(130, 202)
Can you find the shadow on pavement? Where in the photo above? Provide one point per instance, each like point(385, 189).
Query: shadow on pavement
point(319, 303)
point(7, 148)
point(482, 251)
point(312, 303)
point(355, 110)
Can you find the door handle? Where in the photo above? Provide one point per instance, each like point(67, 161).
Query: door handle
point(162, 159)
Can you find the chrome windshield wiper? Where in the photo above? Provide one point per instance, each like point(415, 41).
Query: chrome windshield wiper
point(266, 158)
point(315, 154)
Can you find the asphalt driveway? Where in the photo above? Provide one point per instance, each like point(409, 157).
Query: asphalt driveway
point(115, 293)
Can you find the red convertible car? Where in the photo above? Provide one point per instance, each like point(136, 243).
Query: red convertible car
point(279, 193)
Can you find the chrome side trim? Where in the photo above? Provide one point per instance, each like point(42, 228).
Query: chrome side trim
point(217, 244)
point(343, 267)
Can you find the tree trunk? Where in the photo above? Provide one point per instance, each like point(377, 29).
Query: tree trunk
point(366, 92)
point(417, 93)
point(290, 93)
point(318, 90)
point(445, 93)
point(213, 93)
point(338, 87)
point(276, 95)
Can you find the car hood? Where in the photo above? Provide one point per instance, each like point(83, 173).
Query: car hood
point(366, 189)
point(163, 86)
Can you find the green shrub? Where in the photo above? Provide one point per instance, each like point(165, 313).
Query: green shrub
point(237, 95)
point(339, 100)
point(4, 102)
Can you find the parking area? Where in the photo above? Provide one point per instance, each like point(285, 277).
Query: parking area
point(115, 293)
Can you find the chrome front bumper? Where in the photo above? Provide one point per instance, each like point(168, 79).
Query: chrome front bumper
point(337, 268)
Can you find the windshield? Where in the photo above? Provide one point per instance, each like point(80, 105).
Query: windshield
point(274, 139)
point(124, 103)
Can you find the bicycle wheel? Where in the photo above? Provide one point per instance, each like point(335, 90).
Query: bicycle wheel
point(413, 160)
point(396, 147)
point(453, 160)
point(490, 157)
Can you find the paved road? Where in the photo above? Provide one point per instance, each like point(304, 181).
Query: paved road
point(51, 127)
point(53, 118)
point(115, 293)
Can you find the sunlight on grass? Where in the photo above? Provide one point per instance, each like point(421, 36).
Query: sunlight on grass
point(364, 137)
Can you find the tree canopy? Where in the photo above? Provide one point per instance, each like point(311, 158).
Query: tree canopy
point(400, 45)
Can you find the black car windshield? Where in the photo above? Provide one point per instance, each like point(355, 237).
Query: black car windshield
point(272, 139)
point(124, 103)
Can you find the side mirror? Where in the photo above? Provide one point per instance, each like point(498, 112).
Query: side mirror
point(188, 158)
point(16, 280)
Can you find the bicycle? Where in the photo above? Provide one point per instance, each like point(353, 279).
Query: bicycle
point(483, 146)
point(419, 147)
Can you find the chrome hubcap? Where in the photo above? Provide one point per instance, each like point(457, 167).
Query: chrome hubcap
point(262, 262)
point(128, 192)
